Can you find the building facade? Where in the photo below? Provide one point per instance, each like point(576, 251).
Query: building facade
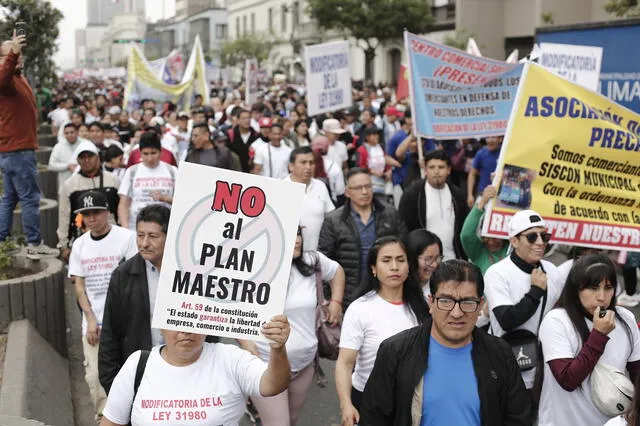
point(100, 12)
point(185, 8)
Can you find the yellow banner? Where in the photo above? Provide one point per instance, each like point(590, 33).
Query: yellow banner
point(573, 156)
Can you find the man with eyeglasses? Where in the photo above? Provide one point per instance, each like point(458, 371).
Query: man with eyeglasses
point(348, 232)
point(446, 371)
point(522, 288)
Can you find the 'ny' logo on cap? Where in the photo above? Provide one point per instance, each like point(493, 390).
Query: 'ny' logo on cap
point(88, 201)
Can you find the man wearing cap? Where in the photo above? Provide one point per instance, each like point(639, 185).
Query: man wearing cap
point(337, 150)
point(390, 122)
point(91, 177)
point(206, 152)
point(320, 146)
point(522, 287)
point(182, 134)
point(95, 255)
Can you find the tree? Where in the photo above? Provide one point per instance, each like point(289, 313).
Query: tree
point(372, 22)
point(42, 21)
point(623, 8)
point(235, 52)
point(459, 40)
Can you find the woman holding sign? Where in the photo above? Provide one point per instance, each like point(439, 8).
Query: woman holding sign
point(190, 382)
point(300, 308)
point(391, 301)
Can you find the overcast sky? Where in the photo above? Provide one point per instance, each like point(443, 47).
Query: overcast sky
point(75, 16)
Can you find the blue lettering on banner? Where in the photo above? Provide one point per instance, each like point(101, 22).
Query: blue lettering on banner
point(321, 64)
point(331, 98)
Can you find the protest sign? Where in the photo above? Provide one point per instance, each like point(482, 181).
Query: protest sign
point(327, 77)
point(580, 64)
point(458, 95)
point(572, 155)
point(227, 258)
point(251, 81)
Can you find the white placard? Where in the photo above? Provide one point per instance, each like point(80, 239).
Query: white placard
point(228, 253)
point(327, 76)
point(251, 81)
point(580, 64)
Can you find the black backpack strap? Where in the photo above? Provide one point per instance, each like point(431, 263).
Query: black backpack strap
point(142, 364)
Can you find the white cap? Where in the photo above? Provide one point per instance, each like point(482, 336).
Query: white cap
point(156, 121)
point(331, 125)
point(85, 146)
point(524, 220)
point(114, 110)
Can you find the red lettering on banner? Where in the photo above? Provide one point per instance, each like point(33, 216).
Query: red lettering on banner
point(252, 201)
point(425, 49)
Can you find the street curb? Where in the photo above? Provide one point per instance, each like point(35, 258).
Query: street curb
point(36, 378)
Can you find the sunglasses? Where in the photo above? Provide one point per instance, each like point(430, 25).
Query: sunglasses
point(533, 237)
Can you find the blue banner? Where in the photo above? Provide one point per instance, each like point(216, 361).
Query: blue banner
point(458, 95)
point(620, 70)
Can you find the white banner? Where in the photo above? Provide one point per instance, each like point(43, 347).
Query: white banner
point(227, 258)
point(251, 81)
point(580, 64)
point(327, 77)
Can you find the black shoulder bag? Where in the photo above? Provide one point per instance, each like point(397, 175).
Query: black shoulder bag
point(524, 343)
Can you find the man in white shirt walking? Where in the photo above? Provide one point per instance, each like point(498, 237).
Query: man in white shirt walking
point(317, 201)
point(95, 255)
point(272, 158)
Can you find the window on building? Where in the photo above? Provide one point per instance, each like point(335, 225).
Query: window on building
point(296, 14)
point(244, 25)
point(253, 23)
point(271, 19)
point(237, 27)
point(221, 31)
point(283, 17)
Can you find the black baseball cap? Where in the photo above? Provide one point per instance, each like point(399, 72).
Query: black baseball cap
point(92, 200)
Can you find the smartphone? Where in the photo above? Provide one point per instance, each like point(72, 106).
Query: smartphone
point(21, 28)
point(603, 312)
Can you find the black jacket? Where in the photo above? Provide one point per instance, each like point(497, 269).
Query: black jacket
point(402, 361)
point(126, 324)
point(413, 211)
point(237, 145)
point(340, 240)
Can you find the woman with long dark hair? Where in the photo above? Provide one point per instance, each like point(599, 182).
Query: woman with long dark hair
point(391, 301)
point(301, 130)
point(585, 328)
point(425, 255)
point(300, 309)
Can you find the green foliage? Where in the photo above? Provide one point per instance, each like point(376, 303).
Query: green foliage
point(373, 22)
point(7, 248)
point(249, 46)
point(623, 8)
point(459, 39)
point(42, 21)
point(547, 18)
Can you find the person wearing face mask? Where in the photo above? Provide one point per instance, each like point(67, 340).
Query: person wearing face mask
point(482, 251)
point(390, 301)
point(446, 371)
point(300, 309)
point(522, 288)
point(586, 328)
point(425, 255)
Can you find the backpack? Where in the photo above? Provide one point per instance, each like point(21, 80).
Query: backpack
point(142, 365)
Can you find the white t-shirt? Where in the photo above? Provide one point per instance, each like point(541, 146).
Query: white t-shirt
point(140, 181)
point(316, 204)
point(269, 156)
point(170, 143)
point(560, 340)
point(95, 260)
point(506, 285)
point(441, 217)
point(563, 271)
point(300, 309)
point(368, 321)
point(211, 391)
point(335, 176)
point(337, 153)
point(376, 162)
point(59, 116)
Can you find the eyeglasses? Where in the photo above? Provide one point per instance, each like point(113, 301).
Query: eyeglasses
point(466, 305)
point(361, 188)
point(533, 237)
point(430, 260)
